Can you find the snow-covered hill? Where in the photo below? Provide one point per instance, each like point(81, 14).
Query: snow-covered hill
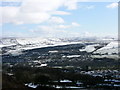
point(16, 45)
point(30, 42)
point(20, 44)
point(89, 48)
point(34, 41)
point(4, 42)
point(111, 48)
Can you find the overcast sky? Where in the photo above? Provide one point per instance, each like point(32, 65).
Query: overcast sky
point(58, 18)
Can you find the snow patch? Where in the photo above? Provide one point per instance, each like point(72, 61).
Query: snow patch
point(89, 48)
point(71, 56)
point(111, 48)
point(55, 51)
point(31, 85)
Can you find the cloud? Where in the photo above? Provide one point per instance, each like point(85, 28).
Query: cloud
point(56, 20)
point(87, 6)
point(56, 29)
point(88, 34)
point(35, 12)
point(25, 13)
point(75, 24)
point(31, 18)
point(48, 31)
point(11, 34)
point(60, 13)
point(71, 4)
point(63, 26)
point(112, 5)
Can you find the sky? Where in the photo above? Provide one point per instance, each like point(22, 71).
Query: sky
point(58, 18)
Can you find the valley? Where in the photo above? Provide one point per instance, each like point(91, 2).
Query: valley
point(61, 64)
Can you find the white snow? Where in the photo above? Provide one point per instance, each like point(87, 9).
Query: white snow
point(71, 56)
point(43, 65)
point(73, 87)
point(31, 85)
point(89, 48)
point(32, 43)
point(106, 56)
point(37, 61)
point(38, 42)
point(68, 87)
point(10, 74)
point(6, 45)
point(55, 51)
point(113, 80)
point(116, 85)
point(113, 44)
point(112, 47)
point(65, 81)
point(42, 41)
